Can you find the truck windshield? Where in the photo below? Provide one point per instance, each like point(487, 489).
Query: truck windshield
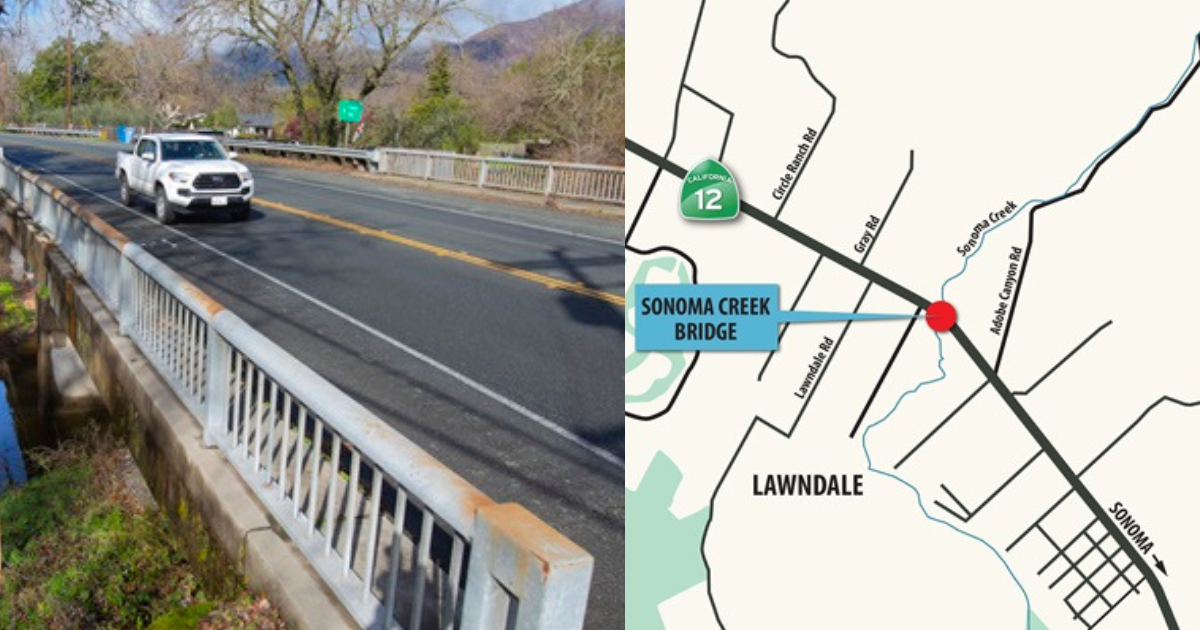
point(191, 150)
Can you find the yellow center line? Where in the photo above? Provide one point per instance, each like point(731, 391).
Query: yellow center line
point(549, 282)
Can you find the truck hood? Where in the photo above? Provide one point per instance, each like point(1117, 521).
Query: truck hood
point(206, 166)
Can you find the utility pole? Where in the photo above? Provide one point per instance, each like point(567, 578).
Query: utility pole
point(70, 71)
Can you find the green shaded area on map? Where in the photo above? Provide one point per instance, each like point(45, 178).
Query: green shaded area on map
point(662, 553)
point(670, 264)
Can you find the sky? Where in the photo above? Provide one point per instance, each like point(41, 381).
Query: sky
point(507, 11)
point(44, 26)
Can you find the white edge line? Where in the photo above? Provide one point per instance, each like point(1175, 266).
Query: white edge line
point(545, 423)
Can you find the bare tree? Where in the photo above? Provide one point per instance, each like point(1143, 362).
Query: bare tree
point(323, 45)
point(578, 96)
point(84, 12)
point(156, 72)
point(500, 98)
point(13, 53)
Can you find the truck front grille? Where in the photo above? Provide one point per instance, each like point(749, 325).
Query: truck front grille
point(217, 181)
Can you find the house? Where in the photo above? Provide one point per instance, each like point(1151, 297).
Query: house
point(262, 125)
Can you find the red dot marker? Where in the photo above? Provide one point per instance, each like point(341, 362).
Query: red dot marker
point(941, 316)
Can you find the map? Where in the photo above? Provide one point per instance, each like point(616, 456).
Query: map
point(910, 306)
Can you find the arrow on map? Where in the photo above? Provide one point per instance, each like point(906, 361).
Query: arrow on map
point(810, 317)
point(1162, 566)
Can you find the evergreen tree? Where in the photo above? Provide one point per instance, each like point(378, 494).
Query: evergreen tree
point(441, 119)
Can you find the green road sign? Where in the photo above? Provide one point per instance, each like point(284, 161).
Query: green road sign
point(709, 193)
point(349, 111)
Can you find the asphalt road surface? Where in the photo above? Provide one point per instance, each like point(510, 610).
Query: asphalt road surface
point(475, 357)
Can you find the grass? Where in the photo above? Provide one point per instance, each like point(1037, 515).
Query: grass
point(79, 551)
point(14, 314)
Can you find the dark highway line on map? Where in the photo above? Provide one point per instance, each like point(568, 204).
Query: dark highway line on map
point(959, 335)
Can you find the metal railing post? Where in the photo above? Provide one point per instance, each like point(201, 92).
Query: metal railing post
point(126, 296)
point(549, 179)
point(428, 165)
point(506, 541)
point(216, 396)
point(483, 168)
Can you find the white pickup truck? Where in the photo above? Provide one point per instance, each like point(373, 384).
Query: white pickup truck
point(185, 173)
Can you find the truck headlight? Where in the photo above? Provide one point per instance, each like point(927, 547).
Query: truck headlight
point(246, 177)
point(180, 177)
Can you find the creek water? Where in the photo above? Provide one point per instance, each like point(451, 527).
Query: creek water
point(12, 462)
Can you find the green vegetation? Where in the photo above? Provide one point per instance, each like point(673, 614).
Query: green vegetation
point(45, 85)
point(75, 555)
point(101, 113)
point(182, 618)
point(15, 314)
point(225, 116)
point(441, 119)
point(79, 551)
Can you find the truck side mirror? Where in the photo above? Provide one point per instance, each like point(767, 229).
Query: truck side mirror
point(233, 155)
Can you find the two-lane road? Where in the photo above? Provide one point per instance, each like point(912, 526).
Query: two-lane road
point(483, 330)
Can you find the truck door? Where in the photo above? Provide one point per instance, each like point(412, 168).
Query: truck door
point(143, 166)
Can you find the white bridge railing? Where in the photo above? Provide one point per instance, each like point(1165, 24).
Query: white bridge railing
point(401, 539)
point(551, 179)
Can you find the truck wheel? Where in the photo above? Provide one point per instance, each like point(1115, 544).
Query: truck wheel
point(126, 192)
point(162, 207)
point(240, 213)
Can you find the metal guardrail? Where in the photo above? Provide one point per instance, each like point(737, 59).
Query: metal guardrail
point(551, 179)
point(359, 156)
point(51, 131)
point(402, 540)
